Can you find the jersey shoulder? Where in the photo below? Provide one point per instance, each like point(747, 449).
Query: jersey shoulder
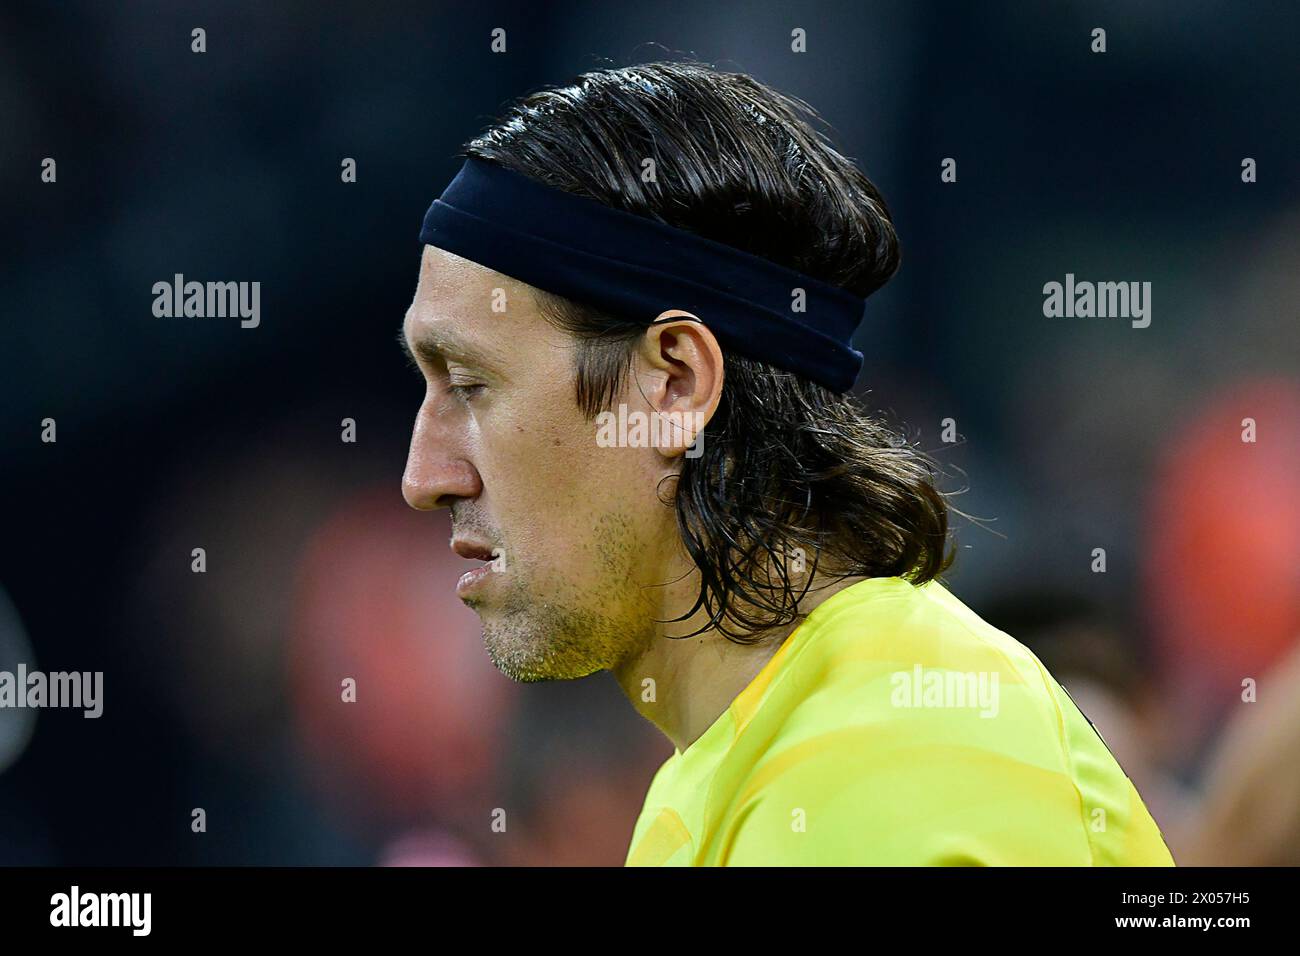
point(903, 729)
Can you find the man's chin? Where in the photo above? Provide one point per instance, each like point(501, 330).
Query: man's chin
point(529, 650)
point(534, 668)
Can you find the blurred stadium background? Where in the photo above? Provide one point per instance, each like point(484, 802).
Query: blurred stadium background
point(221, 690)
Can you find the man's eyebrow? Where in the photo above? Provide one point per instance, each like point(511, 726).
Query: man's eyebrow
point(433, 350)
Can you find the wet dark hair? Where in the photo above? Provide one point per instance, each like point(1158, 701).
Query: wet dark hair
point(790, 471)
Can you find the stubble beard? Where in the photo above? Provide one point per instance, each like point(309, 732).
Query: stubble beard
point(530, 639)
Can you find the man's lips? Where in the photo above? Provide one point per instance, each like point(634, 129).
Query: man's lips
point(474, 551)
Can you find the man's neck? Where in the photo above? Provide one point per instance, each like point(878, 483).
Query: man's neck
point(683, 685)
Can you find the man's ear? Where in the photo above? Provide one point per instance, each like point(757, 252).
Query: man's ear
point(679, 371)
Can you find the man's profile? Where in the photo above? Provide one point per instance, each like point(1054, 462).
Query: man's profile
point(635, 318)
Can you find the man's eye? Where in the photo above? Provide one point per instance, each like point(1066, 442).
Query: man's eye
point(465, 392)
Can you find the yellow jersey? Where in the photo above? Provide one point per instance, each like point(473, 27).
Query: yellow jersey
point(895, 727)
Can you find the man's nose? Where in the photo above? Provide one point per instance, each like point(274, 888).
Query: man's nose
point(437, 471)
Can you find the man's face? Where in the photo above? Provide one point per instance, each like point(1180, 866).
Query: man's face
point(578, 529)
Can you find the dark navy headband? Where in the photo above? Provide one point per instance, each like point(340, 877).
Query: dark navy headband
point(636, 268)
